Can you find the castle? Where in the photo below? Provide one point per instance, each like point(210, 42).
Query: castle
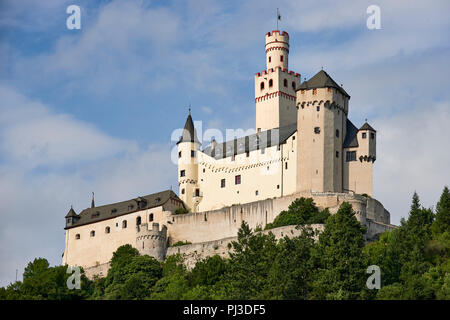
point(304, 145)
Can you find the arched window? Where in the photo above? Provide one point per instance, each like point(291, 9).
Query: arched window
point(92, 233)
point(150, 218)
point(138, 221)
point(77, 236)
point(293, 85)
point(124, 224)
point(107, 230)
point(270, 83)
point(262, 85)
point(285, 83)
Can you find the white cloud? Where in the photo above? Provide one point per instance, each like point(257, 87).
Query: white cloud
point(34, 201)
point(412, 155)
point(31, 135)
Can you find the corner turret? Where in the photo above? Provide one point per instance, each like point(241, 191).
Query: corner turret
point(152, 242)
point(188, 147)
point(71, 217)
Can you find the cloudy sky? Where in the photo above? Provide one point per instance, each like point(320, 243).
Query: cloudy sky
point(94, 109)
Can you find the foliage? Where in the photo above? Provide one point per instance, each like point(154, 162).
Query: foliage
point(337, 261)
point(181, 210)
point(413, 259)
point(180, 243)
point(300, 212)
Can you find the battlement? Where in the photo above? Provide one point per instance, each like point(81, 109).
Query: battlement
point(152, 242)
point(271, 70)
point(142, 231)
point(277, 32)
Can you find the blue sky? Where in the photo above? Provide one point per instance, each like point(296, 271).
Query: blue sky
point(94, 109)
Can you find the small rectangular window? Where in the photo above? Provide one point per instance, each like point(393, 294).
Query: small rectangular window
point(197, 192)
point(182, 173)
point(364, 135)
point(256, 192)
point(337, 133)
point(192, 153)
point(318, 108)
point(237, 179)
point(372, 135)
point(316, 130)
point(285, 165)
point(337, 154)
point(270, 59)
point(179, 154)
point(281, 58)
point(222, 183)
point(314, 91)
point(351, 156)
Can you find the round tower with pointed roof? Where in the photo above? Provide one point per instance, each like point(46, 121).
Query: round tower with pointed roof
point(188, 147)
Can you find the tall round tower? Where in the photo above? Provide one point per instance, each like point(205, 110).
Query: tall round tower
point(188, 147)
point(275, 87)
point(277, 49)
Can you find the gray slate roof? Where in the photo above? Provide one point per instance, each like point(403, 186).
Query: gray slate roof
point(321, 80)
point(351, 139)
point(71, 213)
point(113, 210)
point(189, 132)
point(367, 126)
point(252, 142)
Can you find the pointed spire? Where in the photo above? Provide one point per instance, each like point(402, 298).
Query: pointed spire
point(92, 202)
point(322, 80)
point(189, 132)
point(71, 213)
point(367, 126)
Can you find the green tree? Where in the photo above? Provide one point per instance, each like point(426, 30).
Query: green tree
point(208, 271)
point(300, 212)
point(442, 222)
point(289, 274)
point(337, 261)
point(250, 260)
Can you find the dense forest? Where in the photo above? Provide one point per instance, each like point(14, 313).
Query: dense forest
point(413, 260)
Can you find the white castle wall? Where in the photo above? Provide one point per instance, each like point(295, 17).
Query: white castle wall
point(192, 253)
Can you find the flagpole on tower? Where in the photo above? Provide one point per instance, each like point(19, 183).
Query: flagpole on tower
point(278, 17)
